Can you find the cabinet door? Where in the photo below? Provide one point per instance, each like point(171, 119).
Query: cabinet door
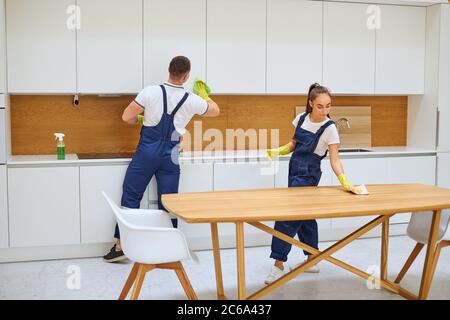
point(247, 175)
point(294, 45)
point(360, 171)
point(4, 242)
point(443, 171)
point(236, 46)
point(184, 35)
point(44, 206)
point(196, 177)
point(348, 49)
point(410, 170)
point(444, 82)
point(2, 48)
point(97, 219)
point(109, 46)
point(41, 46)
point(400, 52)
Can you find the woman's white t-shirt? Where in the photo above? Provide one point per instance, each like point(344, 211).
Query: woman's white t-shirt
point(329, 136)
point(151, 99)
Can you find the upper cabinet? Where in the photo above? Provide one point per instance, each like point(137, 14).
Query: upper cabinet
point(348, 48)
point(2, 48)
point(41, 46)
point(185, 35)
point(294, 45)
point(109, 46)
point(400, 50)
point(443, 142)
point(236, 46)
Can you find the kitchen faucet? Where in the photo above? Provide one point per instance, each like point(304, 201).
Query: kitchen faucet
point(342, 119)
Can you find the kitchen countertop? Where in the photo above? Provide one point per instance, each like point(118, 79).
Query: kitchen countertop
point(206, 156)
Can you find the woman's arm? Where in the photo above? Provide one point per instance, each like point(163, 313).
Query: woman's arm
point(335, 161)
point(336, 165)
point(284, 149)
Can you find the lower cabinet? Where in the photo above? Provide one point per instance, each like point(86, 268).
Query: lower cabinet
point(196, 177)
point(4, 239)
point(97, 219)
point(44, 206)
point(239, 176)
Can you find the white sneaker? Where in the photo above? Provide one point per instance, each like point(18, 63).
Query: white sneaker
point(313, 269)
point(275, 273)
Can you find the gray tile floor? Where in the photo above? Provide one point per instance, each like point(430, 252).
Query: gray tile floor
point(57, 279)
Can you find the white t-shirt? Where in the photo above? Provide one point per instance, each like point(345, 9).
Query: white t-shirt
point(329, 136)
point(151, 99)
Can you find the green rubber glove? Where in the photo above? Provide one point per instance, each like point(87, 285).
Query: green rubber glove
point(345, 183)
point(140, 119)
point(272, 153)
point(201, 89)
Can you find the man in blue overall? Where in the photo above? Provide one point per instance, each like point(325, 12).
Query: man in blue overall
point(167, 108)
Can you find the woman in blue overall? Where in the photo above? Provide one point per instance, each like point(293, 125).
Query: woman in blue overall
point(168, 109)
point(315, 135)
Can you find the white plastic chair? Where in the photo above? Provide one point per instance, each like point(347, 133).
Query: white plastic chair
point(419, 230)
point(148, 238)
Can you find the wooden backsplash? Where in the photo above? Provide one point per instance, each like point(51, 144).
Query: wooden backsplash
point(95, 126)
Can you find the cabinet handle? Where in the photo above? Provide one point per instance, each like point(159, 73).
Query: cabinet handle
point(438, 113)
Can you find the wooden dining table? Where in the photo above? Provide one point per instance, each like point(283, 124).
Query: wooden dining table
point(303, 203)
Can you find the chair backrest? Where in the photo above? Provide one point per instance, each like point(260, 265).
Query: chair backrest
point(420, 223)
point(147, 236)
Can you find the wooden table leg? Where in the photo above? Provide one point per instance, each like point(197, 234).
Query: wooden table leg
point(240, 260)
point(384, 250)
point(429, 259)
point(217, 261)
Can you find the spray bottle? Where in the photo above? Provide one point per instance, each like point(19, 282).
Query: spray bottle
point(60, 147)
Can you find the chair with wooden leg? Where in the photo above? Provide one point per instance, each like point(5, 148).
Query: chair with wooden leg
point(419, 230)
point(149, 239)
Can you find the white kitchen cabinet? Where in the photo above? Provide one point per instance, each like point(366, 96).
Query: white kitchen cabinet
point(348, 49)
point(44, 206)
point(443, 171)
point(420, 169)
point(400, 50)
point(294, 45)
point(443, 143)
point(109, 46)
point(184, 35)
point(196, 177)
point(240, 176)
point(2, 47)
point(41, 46)
point(236, 46)
point(4, 233)
point(97, 219)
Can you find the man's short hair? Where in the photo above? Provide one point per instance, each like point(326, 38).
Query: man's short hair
point(179, 66)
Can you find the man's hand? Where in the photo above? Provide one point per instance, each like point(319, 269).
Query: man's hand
point(201, 89)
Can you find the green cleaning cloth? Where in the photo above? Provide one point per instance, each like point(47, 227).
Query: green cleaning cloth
point(202, 89)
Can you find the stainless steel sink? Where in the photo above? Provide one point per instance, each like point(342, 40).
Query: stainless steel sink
point(355, 150)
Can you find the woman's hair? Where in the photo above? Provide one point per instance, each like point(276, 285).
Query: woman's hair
point(314, 90)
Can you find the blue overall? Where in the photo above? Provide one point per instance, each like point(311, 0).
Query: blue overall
point(304, 170)
point(156, 154)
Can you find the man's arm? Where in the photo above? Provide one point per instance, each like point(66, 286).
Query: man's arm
point(131, 112)
point(213, 109)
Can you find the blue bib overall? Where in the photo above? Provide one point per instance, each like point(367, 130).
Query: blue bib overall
point(304, 170)
point(156, 154)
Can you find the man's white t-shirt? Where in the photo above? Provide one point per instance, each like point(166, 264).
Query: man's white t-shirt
point(329, 136)
point(151, 99)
